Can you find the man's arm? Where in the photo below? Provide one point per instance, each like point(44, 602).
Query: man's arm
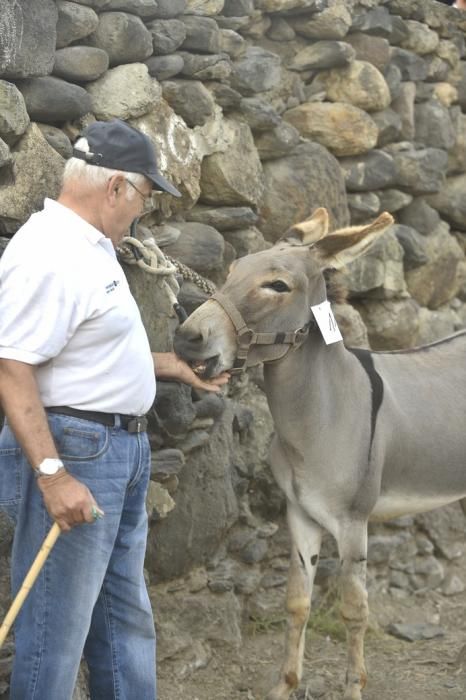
point(170, 366)
point(68, 501)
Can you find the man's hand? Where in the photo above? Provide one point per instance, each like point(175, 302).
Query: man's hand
point(68, 501)
point(170, 366)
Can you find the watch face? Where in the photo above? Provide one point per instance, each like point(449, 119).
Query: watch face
point(50, 466)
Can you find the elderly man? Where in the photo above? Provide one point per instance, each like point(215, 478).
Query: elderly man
point(76, 378)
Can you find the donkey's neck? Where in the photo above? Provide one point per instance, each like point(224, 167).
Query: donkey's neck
point(313, 381)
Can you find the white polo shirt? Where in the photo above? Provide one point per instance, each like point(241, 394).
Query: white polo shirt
point(66, 307)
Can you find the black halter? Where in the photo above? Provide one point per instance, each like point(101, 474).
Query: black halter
point(246, 337)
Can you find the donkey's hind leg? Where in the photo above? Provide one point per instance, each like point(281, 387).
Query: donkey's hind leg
point(306, 538)
point(352, 544)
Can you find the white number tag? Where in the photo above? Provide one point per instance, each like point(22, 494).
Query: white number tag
point(325, 319)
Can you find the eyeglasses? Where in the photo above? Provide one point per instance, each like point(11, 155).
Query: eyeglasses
point(148, 199)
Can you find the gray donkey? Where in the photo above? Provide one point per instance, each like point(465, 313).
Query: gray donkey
point(359, 435)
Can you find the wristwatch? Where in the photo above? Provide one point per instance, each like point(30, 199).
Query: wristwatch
point(49, 467)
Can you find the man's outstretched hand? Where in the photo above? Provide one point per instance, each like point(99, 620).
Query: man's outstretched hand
point(169, 366)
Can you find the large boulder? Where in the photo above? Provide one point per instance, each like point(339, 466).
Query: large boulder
point(14, 119)
point(378, 274)
point(36, 171)
point(27, 38)
point(74, 22)
point(308, 178)
point(360, 84)
point(391, 324)
point(53, 100)
point(124, 92)
point(342, 128)
point(124, 37)
point(80, 63)
point(234, 175)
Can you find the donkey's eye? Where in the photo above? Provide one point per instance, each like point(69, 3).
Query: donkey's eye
point(277, 286)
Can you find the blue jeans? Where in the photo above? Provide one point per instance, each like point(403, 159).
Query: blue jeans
point(90, 597)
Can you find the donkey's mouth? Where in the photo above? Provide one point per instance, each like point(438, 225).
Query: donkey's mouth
point(205, 368)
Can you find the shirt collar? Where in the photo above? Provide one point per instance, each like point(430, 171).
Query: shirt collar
point(75, 222)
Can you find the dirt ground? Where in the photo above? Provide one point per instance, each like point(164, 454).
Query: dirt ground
point(398, 670)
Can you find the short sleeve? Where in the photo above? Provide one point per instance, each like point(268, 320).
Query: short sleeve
point(39, 312)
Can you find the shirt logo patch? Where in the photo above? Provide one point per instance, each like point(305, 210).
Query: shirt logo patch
point(112, 286)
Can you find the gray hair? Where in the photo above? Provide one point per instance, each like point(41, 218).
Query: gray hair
point(95, 175)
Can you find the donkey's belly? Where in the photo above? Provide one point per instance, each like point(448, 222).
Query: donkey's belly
point(392, 505)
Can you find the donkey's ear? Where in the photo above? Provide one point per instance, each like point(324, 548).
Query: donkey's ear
point(308, 231)
point(342, 246)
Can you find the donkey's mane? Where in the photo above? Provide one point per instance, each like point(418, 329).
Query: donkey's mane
point(337, 291)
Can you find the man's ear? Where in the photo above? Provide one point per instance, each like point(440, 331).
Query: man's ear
point(341, 247)
point(308, 231)
point(113, 188)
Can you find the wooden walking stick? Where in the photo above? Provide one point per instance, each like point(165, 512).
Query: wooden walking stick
point(29, 581)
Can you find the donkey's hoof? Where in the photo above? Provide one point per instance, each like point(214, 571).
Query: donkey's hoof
point(281, 691)
point(353, 692)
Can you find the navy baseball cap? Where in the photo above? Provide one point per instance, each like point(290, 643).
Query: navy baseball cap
point(119, 146)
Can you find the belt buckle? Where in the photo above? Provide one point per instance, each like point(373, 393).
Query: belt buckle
point(137, 424)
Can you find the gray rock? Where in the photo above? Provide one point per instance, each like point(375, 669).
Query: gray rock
point(202, 34)
point(166, 463)
point(412, 67)
point(344, 129)
point(429, 573)
point(374, 49)
point(389, 124)
point(124, 37)
point(258, 70)
point(204, 7)
point(5, 156)
point(461, 86)
point(372, 171)
point(142, 8)
point(167, 9)
point(433, 125)
point(111, 98)
point(190, 99)
point(399, 30)
point(322, 55)
point(225, 96)
point(254, 552)
point(238, 8)
point(52, 100)
point(413, 245)
point(445, 528)
point(421, 171)
point(174, 409)
point(381, 547)
point(392, 75)
point(294, 184)
point(74, 22)
point(437, 69)
point(437, 281)
point(419, 38)
point(450, 201)
point(246, 241)
point(232, 43)
point(403, 105)
point(210, 406)
point(164, 67)
point(437, 324)
point(360, 84)
point(363, 206)
point(258, 113)
point(277, 142)
point(27, 38)
point(452, 585)
point(415, 631)
point(167, 35)
point(280, 30)
point(379, 274)
point(57, 139)
point(222, 218)
point(233, 176)
point(327, 570)
point(393, 200)
point(215, 67)
point(199, 246)
point(376, 22)
point(392, 325)
point(14, 119)
point(332, 23)
point(37, 173)
point(80, 63)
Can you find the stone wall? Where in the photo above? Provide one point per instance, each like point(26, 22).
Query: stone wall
point(262, 110)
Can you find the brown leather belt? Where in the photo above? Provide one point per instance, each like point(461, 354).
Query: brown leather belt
point(133, 424)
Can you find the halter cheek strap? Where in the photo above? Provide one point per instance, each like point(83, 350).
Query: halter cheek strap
point(246, 337)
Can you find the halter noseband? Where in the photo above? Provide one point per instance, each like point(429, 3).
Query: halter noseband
point(246, 336)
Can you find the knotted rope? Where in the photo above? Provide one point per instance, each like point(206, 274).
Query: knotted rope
point(148, 256)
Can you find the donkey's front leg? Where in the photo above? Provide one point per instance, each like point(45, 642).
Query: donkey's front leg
point(306, 538)
point(352, 544)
